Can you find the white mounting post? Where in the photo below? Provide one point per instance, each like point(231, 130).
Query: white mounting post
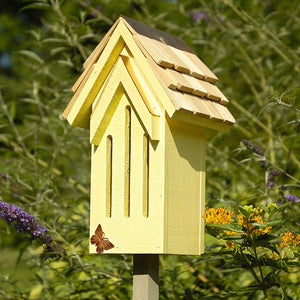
point(145, 276)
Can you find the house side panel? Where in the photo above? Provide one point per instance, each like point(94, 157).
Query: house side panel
point(185, 188)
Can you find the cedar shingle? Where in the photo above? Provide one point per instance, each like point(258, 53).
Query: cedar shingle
point(181, 83)
point(209, 75)
point(194, 70)
point(157, 53)
point(198, 88)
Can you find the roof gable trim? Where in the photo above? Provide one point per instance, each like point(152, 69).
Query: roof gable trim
point(118, 84)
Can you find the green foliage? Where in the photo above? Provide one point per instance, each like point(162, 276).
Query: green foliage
point(253, 244)
point(252, 46)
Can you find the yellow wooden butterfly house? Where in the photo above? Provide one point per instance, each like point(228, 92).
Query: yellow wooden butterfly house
point(147, 100)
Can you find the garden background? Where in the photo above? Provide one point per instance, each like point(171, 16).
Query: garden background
point(254, 49)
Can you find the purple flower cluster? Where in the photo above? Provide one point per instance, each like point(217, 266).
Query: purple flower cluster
point(23, 222)
point(95, 12)
point(7, 182)
point(198, 15)
point(4, 176)
point(86, 3)
point(271, 178)
point(290, 198)
point(253, 147)
point(272, 175)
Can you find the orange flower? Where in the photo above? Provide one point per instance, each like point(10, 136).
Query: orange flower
point(217, 216)
point(230, 244)
point(221, 216)
point(243, 222)
point(288, 238)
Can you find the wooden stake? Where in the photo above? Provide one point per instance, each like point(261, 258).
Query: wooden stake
point(145, 276)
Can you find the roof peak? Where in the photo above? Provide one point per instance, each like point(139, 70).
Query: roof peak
point(137, 27)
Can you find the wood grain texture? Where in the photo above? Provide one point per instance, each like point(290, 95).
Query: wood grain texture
point(209, 75)
point(175, 58)
point(196, 84)
point(165, 79)
point(181, 83)
point(157, 52)
point(201, 108)
point(181, 101)
point(227, 116)
point(192, 68)
point(199, 120)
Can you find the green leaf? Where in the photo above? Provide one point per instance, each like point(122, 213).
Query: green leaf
point(266, 261)
point(22, 251)
point(31, 55)
point(56, 41)
point(12, 109)
point(225, 227)
point(284, 205)
point(87, 36)
point(265, 237)
point(57, 50)
point(37, 5)
point(267, 224)
point(267, 245)
point(293, 122)
point(244, 212)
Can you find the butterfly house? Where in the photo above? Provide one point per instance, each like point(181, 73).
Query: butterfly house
point(147, 101)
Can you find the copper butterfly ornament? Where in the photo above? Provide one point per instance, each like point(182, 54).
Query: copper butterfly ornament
point(102, 243)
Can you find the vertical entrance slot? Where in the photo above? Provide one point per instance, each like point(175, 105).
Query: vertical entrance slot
point(127, 161)
point(145, 175)
point(109, 150)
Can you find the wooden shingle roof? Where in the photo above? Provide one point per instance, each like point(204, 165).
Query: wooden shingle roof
point(188, 82)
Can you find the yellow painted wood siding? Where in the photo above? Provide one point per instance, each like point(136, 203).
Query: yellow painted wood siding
point(184, 188)
point(135, 233)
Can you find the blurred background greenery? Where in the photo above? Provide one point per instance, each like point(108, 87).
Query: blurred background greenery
point(252, 46)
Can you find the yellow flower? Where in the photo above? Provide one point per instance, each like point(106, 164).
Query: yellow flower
point(221, 216)
point(246, 224)
point(288, 238)
point(217, 216)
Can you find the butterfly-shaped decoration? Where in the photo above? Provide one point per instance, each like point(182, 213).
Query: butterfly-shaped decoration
point(102, 243)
